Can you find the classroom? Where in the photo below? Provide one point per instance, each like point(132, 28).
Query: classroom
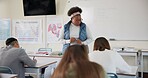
point(123, 22)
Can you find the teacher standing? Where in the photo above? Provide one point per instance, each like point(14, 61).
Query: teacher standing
point(75, 31)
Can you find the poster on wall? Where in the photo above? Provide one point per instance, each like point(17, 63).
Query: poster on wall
point(4, 29)
point(28, 31)
point(54, 26)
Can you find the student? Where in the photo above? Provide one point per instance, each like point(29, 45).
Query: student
point(15, 57)
point(75, 64)
point(110, 60)
point(75, 31)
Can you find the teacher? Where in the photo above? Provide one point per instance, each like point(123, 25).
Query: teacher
point(75, 31)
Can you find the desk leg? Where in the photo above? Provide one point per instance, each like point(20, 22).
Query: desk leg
point(38, 73)
point(139, 62)
point(141, 65)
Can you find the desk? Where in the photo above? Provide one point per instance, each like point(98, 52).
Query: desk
point(143, 53)
point(4, 75)
point(41, 63)
point(44, 55)
point(132, 73)
point(49, 69)
point(137, 55)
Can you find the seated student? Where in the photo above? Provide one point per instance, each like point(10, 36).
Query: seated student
point(75, 64)
point(110, 60)
point(15, 57)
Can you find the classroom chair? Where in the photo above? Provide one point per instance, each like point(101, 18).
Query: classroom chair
point(5, 69)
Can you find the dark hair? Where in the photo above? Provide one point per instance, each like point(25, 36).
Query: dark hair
point(73, 10)
point(101, 44)
point(10, 40)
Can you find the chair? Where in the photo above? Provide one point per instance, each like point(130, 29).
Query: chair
point(112, 75)
point(5, 69)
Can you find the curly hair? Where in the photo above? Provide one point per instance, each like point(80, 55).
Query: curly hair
point(73, 10)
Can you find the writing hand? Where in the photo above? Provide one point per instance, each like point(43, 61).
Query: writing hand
point(35, 60)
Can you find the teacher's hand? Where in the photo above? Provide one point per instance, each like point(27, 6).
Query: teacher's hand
point(79, 41)
point(72, 39)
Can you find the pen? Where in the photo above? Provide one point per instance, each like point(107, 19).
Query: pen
point(33, 57)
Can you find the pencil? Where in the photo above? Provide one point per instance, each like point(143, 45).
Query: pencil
point(33, 57)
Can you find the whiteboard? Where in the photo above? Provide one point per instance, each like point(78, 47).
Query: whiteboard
point(120, 20)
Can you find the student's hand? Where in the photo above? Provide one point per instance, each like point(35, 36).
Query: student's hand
point(72, 39)
point(25, 65)
point(35, 60)
point(79, 41)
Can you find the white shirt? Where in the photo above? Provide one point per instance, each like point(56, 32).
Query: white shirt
point(111, 61)
point(74, 32)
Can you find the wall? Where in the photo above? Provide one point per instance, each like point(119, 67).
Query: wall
point(4, 7)
point(122, 20)
point(16, 12)
point(109, 19)
point(14, 9)
point(105, 16)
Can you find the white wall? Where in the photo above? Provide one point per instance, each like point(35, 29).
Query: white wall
point(137, 9)
point(4, 13)
point(4, 7)
point(14, 9)
point(94, 20)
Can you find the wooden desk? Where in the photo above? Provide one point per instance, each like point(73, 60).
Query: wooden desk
point(4, 75)
point(41, 63)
